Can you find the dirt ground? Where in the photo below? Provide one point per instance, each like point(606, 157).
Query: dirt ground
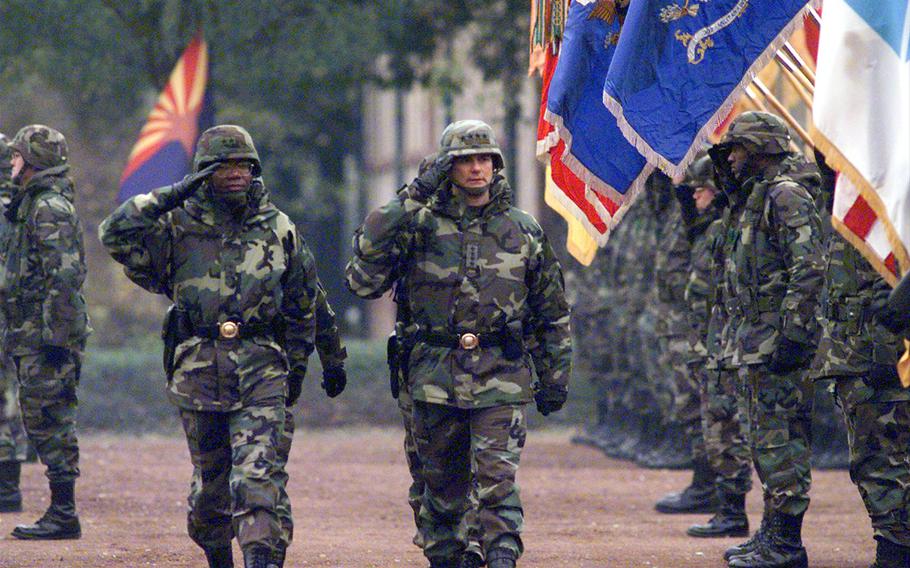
point(348, 490)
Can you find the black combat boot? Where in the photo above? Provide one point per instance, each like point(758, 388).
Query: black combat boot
point(699, 497)
point(500, 558)
point(672, 453)
point(10, 496)
point(781, 548)
point(60, 521)
point(444, 563)
point(730, 519)
point(748, 546)
point(219, 557)
point(470, 560)
point(278, 556)
point(890, 555)
point(258, 556)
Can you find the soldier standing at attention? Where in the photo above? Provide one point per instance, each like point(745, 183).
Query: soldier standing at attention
point(244, 286)
point(860, 354)
point(773, 275)
point(13, 440)
point(487, 305)
point(46, 320)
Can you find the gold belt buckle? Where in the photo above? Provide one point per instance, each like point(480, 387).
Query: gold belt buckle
point(468, 341)
point(228, 330)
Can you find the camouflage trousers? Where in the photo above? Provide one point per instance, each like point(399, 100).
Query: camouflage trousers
point(13, 439)
point(878, 430)
point(283, 451)
point(47, 400)
point(686, 409)
point(657, 378)
point(725, 429)
point(462, 450)
point(236, 486)
point(415, 467)
point(780, 423)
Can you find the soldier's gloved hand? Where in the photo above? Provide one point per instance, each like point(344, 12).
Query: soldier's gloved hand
point(334, 380)
point(550, 398)
point(790, 355)
point(295, 385)
point(426, 183)
point(895, 316)
point(189, 184)
point(55, 355)
point(884, 376)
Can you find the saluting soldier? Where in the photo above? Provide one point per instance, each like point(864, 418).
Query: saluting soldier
point(487, 308)
point(244, 287)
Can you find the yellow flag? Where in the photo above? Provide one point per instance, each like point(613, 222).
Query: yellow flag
point(579, 243)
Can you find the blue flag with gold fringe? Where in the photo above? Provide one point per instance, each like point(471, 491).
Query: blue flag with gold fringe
point(681, 65)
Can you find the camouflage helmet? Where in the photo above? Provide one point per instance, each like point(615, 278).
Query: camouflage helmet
point(226, 142)
point(6, 153)
point(470, 137)
point(759, 133)
point(700, 173)
point(40, 146)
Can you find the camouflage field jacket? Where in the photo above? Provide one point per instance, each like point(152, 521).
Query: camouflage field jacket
point(219, 269)
point(774, 266)
point(478, 273)
point(852, 339)
point(43, 267)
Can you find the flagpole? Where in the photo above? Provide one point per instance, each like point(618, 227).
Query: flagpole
point(797, 85)
point(803, 66)
point(798, 74)
point(756, 102)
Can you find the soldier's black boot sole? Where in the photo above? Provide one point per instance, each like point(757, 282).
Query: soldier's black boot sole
point(50, 528)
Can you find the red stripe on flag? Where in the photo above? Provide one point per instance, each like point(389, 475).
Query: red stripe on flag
point(860, 218)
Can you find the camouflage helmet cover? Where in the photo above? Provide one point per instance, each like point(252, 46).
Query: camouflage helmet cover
point(470, 137)
point(225, 142)
point(6, 153)
point(700, 173)
point(40, 146)
point(759, 133)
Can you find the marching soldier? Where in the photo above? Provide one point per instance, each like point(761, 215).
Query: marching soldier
point(486, 299)
point(244, 288)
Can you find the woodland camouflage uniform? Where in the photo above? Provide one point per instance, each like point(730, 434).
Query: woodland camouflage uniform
point(13, 439)
point(773, 275)
point(46, 319)
point(248, 265)
point(860, 355)
point(487, 271)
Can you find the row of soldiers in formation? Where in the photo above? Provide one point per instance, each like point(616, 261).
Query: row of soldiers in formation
point(482, 330)
point(710, 322)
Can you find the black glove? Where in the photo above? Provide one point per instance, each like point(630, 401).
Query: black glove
point(55, 355)
point(189, 184)
point(334, 380)
point(895, 316)
point(686, 201)
point(790, 355)
point(295, 385)
point(884, 376)
point(550, 398)
point(427, 182)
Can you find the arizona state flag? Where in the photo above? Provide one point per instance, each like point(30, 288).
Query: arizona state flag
point(164, 152)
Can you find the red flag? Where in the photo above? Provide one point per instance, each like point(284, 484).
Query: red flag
point(594, 211)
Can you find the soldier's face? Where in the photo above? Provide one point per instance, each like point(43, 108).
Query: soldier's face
point(232, 176)
point(18, 163)
point(737, 159)
point(703, 197)
point(473, 172)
